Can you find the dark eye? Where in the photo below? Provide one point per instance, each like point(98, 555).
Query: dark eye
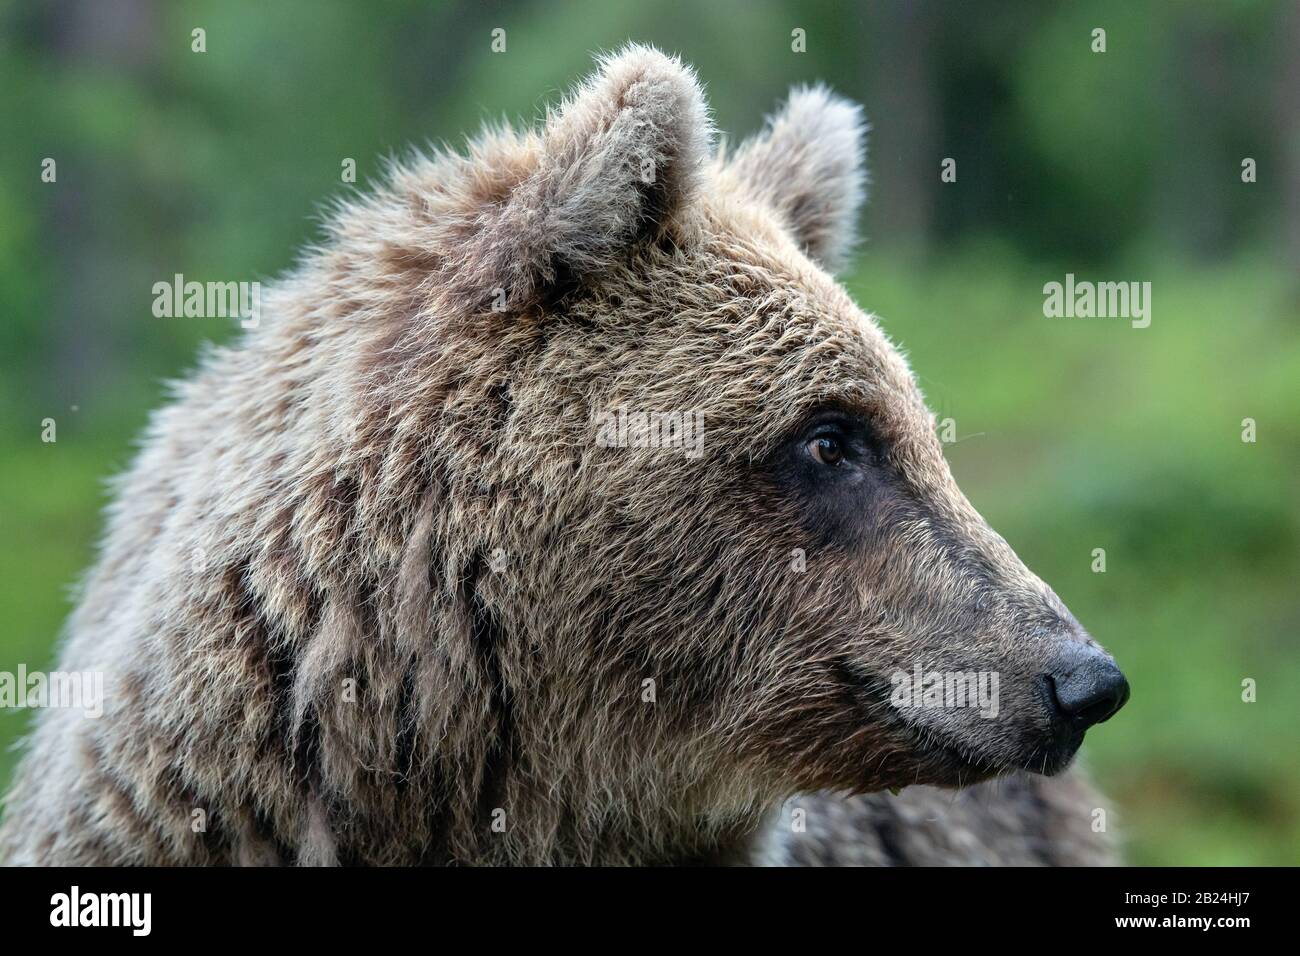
point(827, 449)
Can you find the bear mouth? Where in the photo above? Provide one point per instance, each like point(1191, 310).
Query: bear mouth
point(1047, 758)
point(941, 749)
point(943, 758)
point(970, 765)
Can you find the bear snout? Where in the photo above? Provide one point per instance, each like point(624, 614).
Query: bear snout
point(1086, 687)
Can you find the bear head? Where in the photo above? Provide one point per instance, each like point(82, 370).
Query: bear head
point(685, 493)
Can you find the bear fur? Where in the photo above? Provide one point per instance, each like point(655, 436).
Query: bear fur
point(373, 591)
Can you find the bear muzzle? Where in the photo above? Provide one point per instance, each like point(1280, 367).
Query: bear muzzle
point(1086, 687)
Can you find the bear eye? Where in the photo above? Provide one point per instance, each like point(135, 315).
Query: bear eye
point(828, 449)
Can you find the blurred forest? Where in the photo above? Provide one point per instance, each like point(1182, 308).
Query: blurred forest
point(1073, 435)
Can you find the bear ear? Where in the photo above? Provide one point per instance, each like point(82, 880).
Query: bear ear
point(614, 162)
point(808, 165)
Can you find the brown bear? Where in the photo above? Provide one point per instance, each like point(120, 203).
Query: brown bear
point(562, 508)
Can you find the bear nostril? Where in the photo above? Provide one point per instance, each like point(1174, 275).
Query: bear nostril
point(1090, 693)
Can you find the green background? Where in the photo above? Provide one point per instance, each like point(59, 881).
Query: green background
point(1074, 434)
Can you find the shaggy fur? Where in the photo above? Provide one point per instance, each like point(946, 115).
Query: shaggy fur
point(373, 593)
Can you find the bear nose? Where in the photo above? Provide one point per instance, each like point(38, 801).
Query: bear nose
point(1089, 688)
